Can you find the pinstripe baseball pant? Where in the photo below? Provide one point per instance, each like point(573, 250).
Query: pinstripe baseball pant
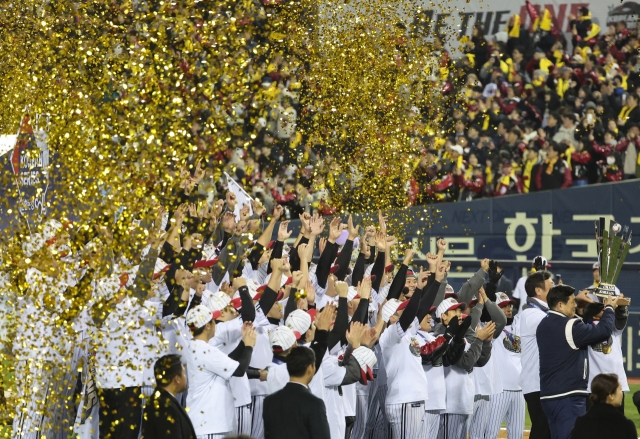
point(432, 421)
point(507, 405)
point(243, 420)
point(213, 436)
point(361, 417)
point(407, 421)
point(377, 422)
point(453, 426)
point(480, 416)
point(257, 423)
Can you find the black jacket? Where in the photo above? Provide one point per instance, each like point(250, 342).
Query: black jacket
point(604, 421)
point(295, 413)
point(164, 417)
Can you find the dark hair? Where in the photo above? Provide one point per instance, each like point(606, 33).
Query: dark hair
point(602, 386)
point(559, 294)
point(557, 147)
point(166, 368)
point(197, 331)
point(536, 280)
point(298, 360)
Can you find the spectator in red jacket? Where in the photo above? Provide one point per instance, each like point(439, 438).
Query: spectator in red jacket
point(470, 180)
point(554, 173)
point(580, 159)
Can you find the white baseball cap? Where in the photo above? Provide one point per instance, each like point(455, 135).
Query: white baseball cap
point(352, 294)
point(51, 229)
point(107, 287)
point(458, 149)
point(449, 289)
point(391, 307)
point(299, 322)
point(218, 301)
point(448, 305)
point(503, 300)
point(199, 316)
point(367, 360)
point(282, 338)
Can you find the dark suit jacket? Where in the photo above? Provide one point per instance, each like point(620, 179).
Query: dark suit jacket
point(295, 413)
point(165, 418)
point(604, 421)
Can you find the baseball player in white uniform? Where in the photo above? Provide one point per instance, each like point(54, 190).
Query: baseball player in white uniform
point(509, 404)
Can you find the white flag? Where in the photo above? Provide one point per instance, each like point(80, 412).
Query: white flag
point(242, 197)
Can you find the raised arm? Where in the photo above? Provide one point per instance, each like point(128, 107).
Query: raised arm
point(472, 285)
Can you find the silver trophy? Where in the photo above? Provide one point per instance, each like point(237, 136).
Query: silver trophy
point(612, 251)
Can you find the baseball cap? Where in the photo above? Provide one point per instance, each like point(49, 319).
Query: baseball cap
point(411, 273)
point(218, 301)
point(540, 262)
point(503, 300)
point(391, 307)
point(352, 294)
point(199, 316)
point(448, 305)
point(51, 229)
point(367, 361)
point(490, 90)
point(107, 287)
point(596, 266)
point(458, 149)
point(389, 268)
point(299, 322)
point(282, 338)
point(206, 263)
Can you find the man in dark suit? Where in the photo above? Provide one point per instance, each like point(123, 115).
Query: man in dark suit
point(294, 412)
point(163, 416)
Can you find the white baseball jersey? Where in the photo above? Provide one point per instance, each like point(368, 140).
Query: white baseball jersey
point(128, 345)
point(209, 400)
point(460, 389)
point(507, 352)
point(277, 376)
point(437, 387)
point(487, 378)
point(406, 380)
point(228, 335)
point(612, 362)
point(530, 318)
point(260, 359)
point(333, 376)
point(520, 293)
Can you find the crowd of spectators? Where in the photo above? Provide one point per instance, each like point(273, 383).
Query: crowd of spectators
point(535, 111)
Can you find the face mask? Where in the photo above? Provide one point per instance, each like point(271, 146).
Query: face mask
point(611, 160)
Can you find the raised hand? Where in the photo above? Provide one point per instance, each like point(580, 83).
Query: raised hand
point(487, 332)
point(342, 288)
point(484, 264)
point(277, 211)
point(482, 296)
point(302, 251)
point(200, 289)
point(229, 222)
point(409, 253)
point(322, 243)
point(370, 232)
point(441, 271)
point(364, 288)
point(354, 334)
point(277, 265)
point(305, 220)
point(325, 317)
point(494, 275)
point(353, 231)
point(442, 245)
point(297, 279)
point(382, 220)
point(335, 229)
point(311, 292)
point(245, 212)
point(257, 207)
point(283, 232)
point(316, 225)
point(239, 282)
point(249, 334)
point(381, 242)
point(432, 260)
point(423, 276)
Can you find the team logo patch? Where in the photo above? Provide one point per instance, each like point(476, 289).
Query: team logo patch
point(414, 347)
point(512, 342)
point(604, 347)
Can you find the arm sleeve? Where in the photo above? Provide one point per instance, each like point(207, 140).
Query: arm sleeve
point(324, 265)
point(340, 325)
point(428, 299)
point(248, 310)
point(267, 300)
point(278, 246)
point(224, 262)
point(243, 361)
point(470, 357)
point(294, 257)
point(358, 270)
point(291, 303)
point(362, 312)
point(475, 313)
point(441, 292)
point(319, 346)
point(471, 286)
point(255, 255)
point(582, 334)
point(398, 283)
point(378, 271)
point(344, 259)
point(622, 315)
point(497, 317)
point(410, 311)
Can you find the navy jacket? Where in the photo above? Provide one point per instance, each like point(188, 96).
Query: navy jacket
point(562, 343)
